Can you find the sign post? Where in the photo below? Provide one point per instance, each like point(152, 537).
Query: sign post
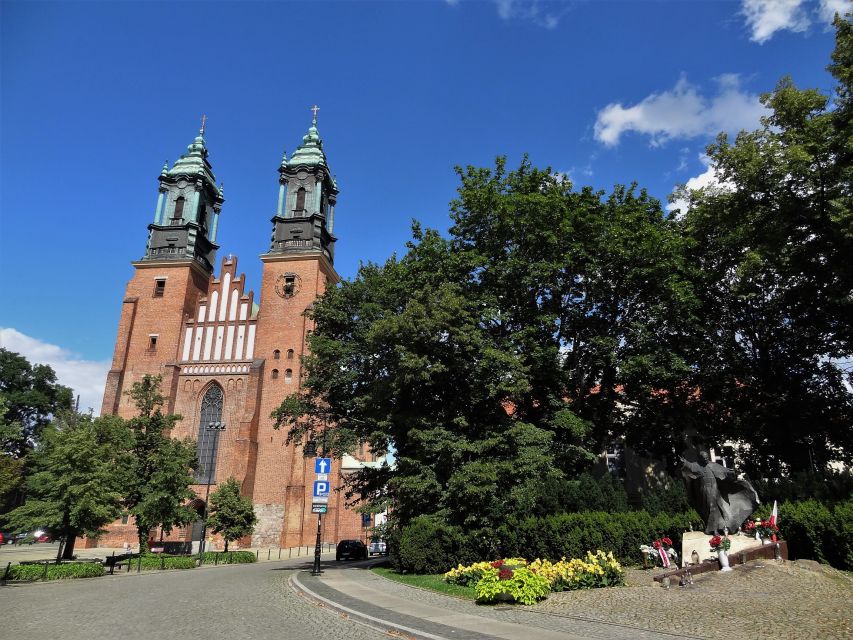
point(322, 467)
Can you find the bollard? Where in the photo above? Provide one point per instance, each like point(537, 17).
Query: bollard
point(6, 574)
point(269, 551)
point(44, 577)
point(162, 562)
point(139, 562)
point(258, 554)
point(113, 563)
point(230, 557)
point(216, 559)
point(289, 551)
point(279, 553)
point(298, 551)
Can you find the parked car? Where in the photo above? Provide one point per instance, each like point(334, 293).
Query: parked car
point(376, 548)
point(352, 549)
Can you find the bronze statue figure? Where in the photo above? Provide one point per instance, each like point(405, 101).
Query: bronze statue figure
point(722, 499)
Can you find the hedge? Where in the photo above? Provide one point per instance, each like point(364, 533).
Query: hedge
point(153, 561)
point(231, 557)
point(64, 571)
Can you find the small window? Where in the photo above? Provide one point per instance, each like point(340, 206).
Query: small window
point(152, 343)
point(274, 374)
point(288, 375)
point(290, 354)
point(159, 287)
point(300, 199)
point(179, 208)
point(276, 355)
point(289, 285)
point(125, 517)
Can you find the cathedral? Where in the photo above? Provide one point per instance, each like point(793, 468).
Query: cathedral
point(228, 358)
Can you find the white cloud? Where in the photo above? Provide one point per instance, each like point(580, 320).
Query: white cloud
point(706, 179)
point(85, 377)
point(543, 13)
point(828, 9)
point(682, 112)
point(766, 17)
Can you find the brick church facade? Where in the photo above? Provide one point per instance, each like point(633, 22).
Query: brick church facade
point(228, 358)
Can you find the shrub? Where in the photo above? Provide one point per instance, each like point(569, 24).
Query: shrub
point(429, 545)
point(521, 585)
point(600, 569)
point(154, 561)
point(228, 557)
point(56, 571)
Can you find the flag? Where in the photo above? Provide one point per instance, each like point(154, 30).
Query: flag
point(774, 515)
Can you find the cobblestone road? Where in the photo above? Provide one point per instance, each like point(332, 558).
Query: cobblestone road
point(762, 600)
point(235, 602)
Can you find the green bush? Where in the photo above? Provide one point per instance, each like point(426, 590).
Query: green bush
point(429, 545)
point(521, 585)
point(154, 561)
point(231, 557)
point(64, 571)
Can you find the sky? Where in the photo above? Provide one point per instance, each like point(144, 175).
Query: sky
point(94, 97)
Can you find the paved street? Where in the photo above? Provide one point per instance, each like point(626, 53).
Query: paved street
point(238, 602)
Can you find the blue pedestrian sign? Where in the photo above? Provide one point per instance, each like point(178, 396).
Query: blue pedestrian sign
point(322, 465)
point(321, 488)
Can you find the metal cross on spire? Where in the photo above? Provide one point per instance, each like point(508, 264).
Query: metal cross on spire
point(314, 110)
point(203, 122)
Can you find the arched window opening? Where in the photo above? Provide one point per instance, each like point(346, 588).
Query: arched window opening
point(274, 374)
point(288, 375)
point(300, 199)
point(179, 208)
point(208, 439)
point(290, 354)
point(276, 355)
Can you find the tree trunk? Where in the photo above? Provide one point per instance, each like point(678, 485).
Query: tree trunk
point(143, 540)
point(68, 552)
point(226, 546)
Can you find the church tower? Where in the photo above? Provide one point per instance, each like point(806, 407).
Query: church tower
point(169, 279)
point(297, 268)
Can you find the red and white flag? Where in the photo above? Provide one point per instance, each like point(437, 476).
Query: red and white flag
point(774, 515)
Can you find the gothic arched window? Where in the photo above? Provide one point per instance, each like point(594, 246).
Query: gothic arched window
point(288, 375)
point(276, 354)
point(290, 354)
point(274, 374)
point(300, 199)
point(208, 439)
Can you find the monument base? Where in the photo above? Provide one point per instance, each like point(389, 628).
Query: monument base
point(698, 541)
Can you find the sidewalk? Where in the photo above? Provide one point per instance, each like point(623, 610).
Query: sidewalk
point(396, 608)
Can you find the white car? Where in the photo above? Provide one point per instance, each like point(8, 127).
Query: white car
point(376, 548)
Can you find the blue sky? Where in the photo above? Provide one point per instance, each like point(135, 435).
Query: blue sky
point(95, 96)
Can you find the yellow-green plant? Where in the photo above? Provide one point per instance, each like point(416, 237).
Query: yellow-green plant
point(520, 585)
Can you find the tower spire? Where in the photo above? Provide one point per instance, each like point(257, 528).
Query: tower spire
point(314, 110)
point(203, 123)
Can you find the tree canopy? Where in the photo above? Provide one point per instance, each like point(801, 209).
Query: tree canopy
point(232, 515)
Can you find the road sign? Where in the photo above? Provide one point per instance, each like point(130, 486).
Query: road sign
point(322, 476)
point(321, 488)
point(322, 465)
point(318, 508)
point(365, 519)
point(322, 499)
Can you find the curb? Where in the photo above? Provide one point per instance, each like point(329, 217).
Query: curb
point(379, 624)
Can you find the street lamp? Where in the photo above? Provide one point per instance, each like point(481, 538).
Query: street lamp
point(216, 428)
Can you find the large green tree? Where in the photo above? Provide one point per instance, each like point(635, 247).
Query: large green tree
point(160, 467)
point(77, 479)
point(772, 248)
point(31, 397)
point(232, 515)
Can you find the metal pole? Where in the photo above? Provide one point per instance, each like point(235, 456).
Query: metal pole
point(316, 571)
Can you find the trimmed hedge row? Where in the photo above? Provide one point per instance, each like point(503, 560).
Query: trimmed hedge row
point(29, 572)
point(814, 530)
point(153, 561)
point(231, 557)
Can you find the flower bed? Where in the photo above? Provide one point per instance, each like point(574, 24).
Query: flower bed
point(516, 580)
point(26, 572)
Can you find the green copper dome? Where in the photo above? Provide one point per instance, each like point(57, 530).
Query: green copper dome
point(194, 161)
point(310, 152)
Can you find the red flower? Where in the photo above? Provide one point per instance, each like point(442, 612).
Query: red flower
point(750, 525)
point(715, 541)
point(666, 541)
point(497, 564)
point(657, 544)
point(505, 574)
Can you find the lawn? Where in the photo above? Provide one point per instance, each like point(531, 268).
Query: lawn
point(431, 582)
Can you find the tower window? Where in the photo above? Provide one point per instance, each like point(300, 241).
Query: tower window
point(159, 287)
point(288, 375)
point(276, 355)
point(275, 374)
point(290, 354)
point(289, 286)
point(179, 208)
point(300, 199)
point(152, 342)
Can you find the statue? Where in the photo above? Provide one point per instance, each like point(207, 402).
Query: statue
point(722, 499)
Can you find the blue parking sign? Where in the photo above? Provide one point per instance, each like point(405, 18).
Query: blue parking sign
point(321, 488)
point(322, 465)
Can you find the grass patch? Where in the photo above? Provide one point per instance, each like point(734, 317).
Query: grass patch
point(431, 582)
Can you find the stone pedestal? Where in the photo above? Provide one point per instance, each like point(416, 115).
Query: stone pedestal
point(699, 541)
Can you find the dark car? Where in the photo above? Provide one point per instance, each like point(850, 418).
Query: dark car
point(352, 549)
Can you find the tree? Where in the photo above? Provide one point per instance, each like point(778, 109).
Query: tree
point(772, 247)
point(77, 479)
point(231, 515)
point(160, 468)
point(32, 397)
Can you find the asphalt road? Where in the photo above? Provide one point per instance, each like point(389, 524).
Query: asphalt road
point(234, 602)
